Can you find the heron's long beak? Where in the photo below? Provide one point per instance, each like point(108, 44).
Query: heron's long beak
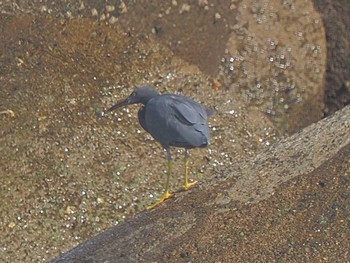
point(119, 104)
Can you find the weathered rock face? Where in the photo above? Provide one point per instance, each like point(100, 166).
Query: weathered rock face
point(297, 192)
point(337, 25)
point(270, 54)
point(67, 174)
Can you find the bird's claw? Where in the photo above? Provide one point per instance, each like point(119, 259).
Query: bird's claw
point(165, 196)
point(188, 185)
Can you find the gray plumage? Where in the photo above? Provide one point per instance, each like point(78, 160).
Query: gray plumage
point(171, 119)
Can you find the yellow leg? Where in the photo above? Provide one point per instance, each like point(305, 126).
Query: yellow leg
point(167, 193)
point(186, 184)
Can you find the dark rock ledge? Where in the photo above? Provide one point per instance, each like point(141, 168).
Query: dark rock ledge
point(291, 203)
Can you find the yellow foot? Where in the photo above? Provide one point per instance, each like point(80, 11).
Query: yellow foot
point(165, 196)
point(187, 185)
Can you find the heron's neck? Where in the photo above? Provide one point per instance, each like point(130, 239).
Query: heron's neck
point(145, 100)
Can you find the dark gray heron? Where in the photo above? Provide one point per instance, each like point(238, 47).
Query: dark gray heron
point(172, 120)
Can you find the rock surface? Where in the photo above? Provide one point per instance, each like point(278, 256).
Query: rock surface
point(298, 192)
point(337, 25)
point(67, 174)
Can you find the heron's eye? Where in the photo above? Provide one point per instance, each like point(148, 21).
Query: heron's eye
point(133, 94)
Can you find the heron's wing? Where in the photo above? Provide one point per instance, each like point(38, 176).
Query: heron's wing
point(188, 111)
point(185, 114)
point(192, 127)
point(174, 120)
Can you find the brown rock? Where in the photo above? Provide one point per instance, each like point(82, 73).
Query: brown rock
point(336, 20)
point(288, 204)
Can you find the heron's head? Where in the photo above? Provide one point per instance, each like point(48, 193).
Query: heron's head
point(139, 95)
